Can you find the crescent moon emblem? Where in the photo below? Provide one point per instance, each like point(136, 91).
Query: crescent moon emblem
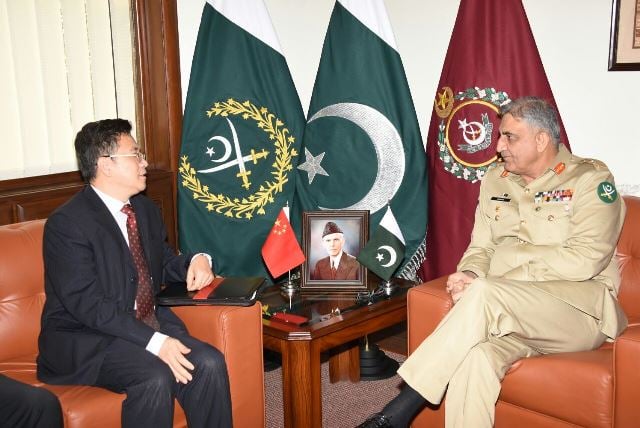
point(392, 255)
point(226, 143)
point(387, 144)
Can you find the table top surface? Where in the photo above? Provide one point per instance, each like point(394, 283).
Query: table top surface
point(308, 312)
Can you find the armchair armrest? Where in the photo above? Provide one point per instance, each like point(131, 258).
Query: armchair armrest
point(427, 304)
point(237, 332)
point(626, 365)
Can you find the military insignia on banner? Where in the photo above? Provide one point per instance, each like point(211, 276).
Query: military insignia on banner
point(468, 130)
point(239, 156)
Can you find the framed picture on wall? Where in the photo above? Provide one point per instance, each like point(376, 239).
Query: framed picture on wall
point(331, 241)
point(624, 43)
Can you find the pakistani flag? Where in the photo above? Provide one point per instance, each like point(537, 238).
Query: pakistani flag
point(385, 250)
point(362, 144)
point(240, 139)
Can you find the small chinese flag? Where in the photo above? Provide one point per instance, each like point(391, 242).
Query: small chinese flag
point(281, 251)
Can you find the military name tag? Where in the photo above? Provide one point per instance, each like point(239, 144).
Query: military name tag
point(502, 198)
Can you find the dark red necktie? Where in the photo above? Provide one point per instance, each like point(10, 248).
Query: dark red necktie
point(333, 270)
point(144, 295)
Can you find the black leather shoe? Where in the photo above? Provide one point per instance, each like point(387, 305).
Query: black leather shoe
point(378, 420)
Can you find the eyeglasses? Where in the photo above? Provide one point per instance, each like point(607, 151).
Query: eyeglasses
point(141, 156)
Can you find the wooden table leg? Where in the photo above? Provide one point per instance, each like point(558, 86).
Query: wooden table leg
point(344, 363)
point(301, 385)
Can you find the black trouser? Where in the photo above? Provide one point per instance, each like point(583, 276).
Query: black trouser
point(151, 386)
point(25, 406)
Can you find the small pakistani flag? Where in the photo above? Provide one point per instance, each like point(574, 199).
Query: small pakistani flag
point(385, 250)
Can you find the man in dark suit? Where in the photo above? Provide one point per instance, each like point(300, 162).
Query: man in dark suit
point(105, 255)
point(338, 265)
point(27, 406)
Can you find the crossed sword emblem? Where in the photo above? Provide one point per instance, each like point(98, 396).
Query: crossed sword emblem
point(240, 160)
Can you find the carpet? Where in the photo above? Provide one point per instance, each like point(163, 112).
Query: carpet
point(344, 404)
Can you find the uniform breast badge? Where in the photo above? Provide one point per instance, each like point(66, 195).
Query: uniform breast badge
point(559, 195)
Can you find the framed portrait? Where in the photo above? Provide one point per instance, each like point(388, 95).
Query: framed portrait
point(624, 43)
point(331, 241)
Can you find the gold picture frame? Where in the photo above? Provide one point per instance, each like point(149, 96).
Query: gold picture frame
point(350, 275)
point(624, 42)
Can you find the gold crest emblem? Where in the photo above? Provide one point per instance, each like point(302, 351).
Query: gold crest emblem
point(246, 206)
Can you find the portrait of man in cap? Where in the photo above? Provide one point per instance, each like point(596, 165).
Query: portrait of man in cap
point(337, 265)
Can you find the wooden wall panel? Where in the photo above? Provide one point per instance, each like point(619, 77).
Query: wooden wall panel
point(35, 203)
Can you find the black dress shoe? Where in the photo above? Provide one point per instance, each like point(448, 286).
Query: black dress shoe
point(377, 420)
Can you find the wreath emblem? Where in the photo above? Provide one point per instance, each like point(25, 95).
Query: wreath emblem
point(459, 169)
point(245, 207)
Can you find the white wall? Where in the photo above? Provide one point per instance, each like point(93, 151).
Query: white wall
point(600, 109)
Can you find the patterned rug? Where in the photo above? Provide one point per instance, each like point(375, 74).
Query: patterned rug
point(344, 404)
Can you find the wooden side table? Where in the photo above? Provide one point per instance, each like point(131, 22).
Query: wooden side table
point(301, 346)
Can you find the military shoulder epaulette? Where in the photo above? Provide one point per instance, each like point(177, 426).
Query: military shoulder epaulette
point(594, 162)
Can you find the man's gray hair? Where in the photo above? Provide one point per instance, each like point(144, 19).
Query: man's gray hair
point(536, 112)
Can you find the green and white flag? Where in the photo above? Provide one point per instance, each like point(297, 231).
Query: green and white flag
point(362, 144)
point(385, 250)
point(241, 133)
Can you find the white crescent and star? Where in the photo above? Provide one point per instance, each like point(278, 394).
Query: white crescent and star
point(392, 255)
point(389, 153)
point(227, 147)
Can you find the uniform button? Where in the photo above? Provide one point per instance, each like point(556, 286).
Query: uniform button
point(551, 218)
point(497, 217)
point(538, 208)
point(523, 221)
point(526, 190)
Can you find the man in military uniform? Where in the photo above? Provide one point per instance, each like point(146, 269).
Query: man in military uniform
point(338, 265)
point(538, 277)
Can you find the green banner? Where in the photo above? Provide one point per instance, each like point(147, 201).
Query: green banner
point(240, 140)
point(362, 143)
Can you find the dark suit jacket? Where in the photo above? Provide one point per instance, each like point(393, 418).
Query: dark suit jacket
point(91, 282)
point(348, 269)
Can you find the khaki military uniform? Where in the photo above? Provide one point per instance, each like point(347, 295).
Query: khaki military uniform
point(547, 282)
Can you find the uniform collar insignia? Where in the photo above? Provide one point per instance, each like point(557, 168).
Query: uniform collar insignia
point(559, 168)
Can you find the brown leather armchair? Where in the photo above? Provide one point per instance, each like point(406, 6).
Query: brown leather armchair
point(599, 388)
point(236, 331)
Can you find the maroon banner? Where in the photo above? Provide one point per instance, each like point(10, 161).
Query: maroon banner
point(492, 59)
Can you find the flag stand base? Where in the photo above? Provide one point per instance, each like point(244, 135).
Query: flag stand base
point(388, 288)
point(288, 290)
point(374, 363)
